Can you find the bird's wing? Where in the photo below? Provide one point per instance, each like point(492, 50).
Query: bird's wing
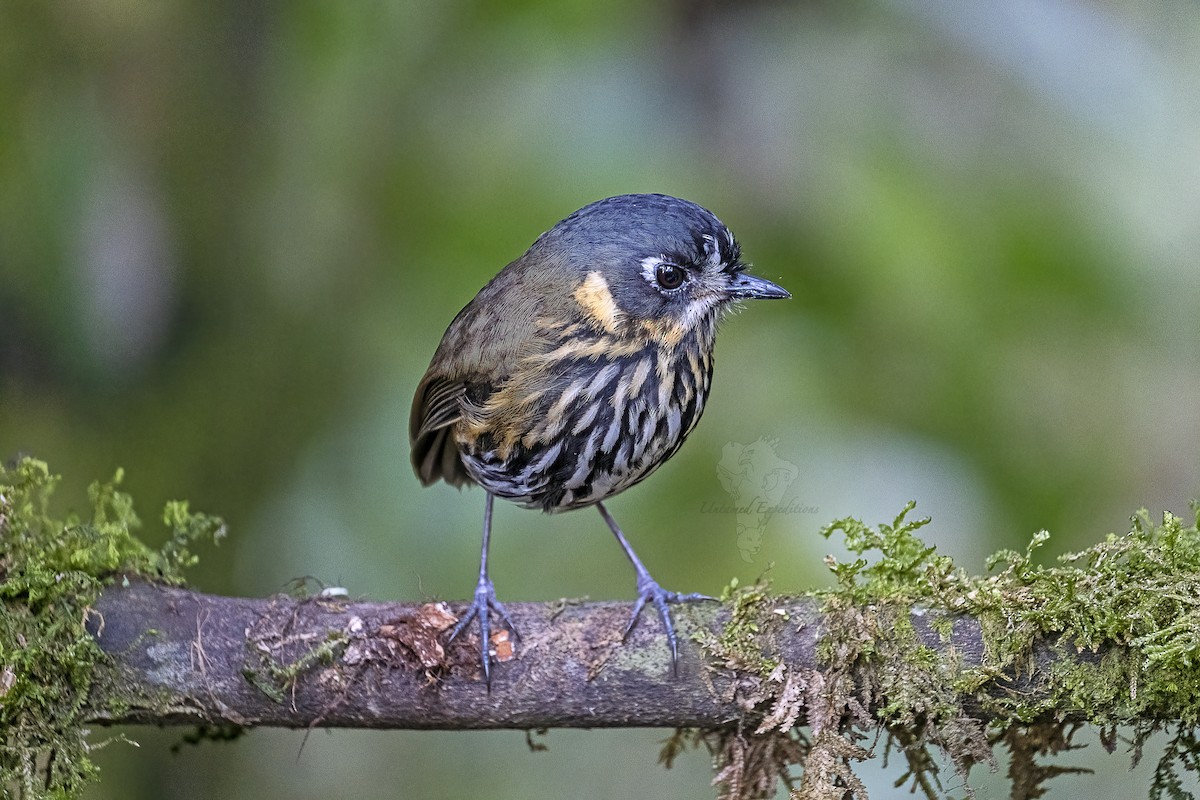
point(437, 405)
point(480, 351)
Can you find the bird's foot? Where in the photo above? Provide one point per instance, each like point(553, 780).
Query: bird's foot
point(484, 603)
point(650, 592)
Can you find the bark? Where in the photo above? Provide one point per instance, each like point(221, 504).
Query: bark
point(181, 657)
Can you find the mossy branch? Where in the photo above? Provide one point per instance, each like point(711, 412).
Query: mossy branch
point(98, 628)
point(180, 657)
point(752, 671)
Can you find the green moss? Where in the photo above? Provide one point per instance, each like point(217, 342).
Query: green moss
point(1134, 597)
point(276, 678)
point(750, 763)
point(51, 572)
point(753, 612)
point(1109, 636)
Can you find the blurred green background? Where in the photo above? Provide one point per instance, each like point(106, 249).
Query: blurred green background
point(232, 233)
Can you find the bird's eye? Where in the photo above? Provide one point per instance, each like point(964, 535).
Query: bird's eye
point(670, 276)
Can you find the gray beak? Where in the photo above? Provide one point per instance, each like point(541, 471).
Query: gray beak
point(745, 286)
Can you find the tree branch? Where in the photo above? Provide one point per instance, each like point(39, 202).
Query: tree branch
point(182, 657)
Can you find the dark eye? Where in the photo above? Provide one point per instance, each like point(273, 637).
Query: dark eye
point(670, 276)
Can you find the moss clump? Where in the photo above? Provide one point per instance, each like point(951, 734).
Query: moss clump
point(751, 763)
point(51, 572)
point(753, 612)
point(1109, 636)
point(1131, 599)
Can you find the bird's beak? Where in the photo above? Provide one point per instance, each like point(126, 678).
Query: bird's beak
point(745, 286)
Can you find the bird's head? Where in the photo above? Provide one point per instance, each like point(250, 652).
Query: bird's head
point(650, 262)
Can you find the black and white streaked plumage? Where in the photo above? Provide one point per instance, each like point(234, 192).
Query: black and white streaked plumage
point(581, 367)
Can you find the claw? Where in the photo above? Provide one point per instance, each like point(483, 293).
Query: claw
point(485, 602)
point(481, 607)
point(650, 591)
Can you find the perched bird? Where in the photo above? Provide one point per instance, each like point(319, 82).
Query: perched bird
point(580, 368)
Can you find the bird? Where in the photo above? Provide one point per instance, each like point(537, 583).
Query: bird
point(579, 369)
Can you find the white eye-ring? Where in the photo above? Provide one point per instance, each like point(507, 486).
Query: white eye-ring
point(666, 276)
point(669, 276)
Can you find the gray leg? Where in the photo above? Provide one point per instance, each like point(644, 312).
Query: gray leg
point(649, 590)
point(485, 600)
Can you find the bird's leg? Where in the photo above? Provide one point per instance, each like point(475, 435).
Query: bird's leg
point(649, 590)
point(485, 600)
